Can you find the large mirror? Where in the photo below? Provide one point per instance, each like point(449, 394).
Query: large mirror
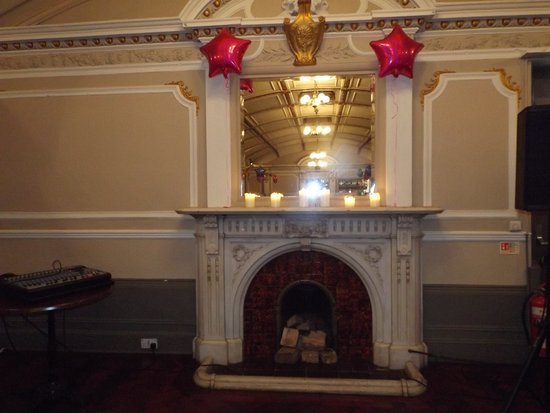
point(303, 129)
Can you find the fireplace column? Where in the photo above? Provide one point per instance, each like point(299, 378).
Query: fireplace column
point(210, 339)
point(406, 288)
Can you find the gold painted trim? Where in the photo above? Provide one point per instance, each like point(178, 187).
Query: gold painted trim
point(507, 81)
point(432, 85)
point(428, 25)
point(186, 93)
point(210, 9)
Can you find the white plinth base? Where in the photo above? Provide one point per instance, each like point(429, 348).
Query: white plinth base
point(414, 385)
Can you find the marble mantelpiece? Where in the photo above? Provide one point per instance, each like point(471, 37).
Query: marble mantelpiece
point(382, 245)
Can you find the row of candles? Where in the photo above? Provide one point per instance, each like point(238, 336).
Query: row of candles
point(306, 199)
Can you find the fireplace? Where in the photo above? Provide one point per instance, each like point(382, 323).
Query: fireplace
point(308, 291)
point(380, 247)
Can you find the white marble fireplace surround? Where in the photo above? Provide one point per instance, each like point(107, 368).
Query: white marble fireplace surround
point(382, 245)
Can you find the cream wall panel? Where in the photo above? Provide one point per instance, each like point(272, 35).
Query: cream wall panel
point(470, 147)
point(468, 143)
point(123, 257)
point(472, 263)
point(71, 151)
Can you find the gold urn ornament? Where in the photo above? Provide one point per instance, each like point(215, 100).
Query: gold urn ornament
point(304, 35)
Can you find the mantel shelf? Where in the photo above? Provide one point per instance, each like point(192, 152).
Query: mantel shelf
point(312, 211)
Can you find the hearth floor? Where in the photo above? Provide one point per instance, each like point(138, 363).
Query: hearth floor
point(348, 370)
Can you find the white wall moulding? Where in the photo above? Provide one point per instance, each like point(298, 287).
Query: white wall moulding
point(472, 137)
point(449, 214)
point(173, 89)
point(95, 234)
point(235, 243)
point(474, 236)
point(19, 215)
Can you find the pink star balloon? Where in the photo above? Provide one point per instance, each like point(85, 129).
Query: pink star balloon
point(396, 53)
point(246, 85)
point(225, 53)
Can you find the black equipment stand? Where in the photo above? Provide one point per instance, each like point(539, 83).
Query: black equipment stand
point(534, 353)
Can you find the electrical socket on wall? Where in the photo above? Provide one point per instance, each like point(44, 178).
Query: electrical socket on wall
point(149, 343)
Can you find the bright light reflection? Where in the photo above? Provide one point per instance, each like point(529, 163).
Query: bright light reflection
point(313, 189)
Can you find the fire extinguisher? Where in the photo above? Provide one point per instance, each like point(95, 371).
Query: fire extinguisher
point(537, 314)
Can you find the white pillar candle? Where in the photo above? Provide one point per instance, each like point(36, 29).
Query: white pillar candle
point(374, 199)
point(276, 199)
point(325, 197)
point(302, 197)
point(250, 200)
point(349, 201)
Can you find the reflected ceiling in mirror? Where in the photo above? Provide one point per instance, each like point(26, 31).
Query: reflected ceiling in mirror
point(276, 112)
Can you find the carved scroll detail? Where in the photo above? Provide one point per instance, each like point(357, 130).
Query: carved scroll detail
point(186, 93)
point(507, 81)
point(432, 85)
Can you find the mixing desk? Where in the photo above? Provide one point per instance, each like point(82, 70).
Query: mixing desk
point(52, 283)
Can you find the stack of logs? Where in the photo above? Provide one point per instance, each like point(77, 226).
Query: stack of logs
point(304, 340)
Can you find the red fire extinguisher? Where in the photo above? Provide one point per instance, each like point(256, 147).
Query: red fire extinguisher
point(537, 315)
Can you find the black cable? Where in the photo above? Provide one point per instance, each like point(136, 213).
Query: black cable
point(44, 333)
point(7, 331)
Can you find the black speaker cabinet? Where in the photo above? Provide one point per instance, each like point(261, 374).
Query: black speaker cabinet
point(533, 159)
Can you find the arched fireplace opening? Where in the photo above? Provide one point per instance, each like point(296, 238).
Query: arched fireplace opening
point(305, 311)
point(302, 284)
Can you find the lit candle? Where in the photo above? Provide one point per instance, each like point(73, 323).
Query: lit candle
point(276, 199)
point(325, 197)
point(374, 198)
point(250, 200)
point(349, 201)
point(302, 196)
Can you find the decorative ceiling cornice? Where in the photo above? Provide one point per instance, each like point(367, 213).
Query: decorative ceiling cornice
point(175, 31)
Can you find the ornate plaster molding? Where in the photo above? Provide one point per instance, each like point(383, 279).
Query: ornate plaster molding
point(432, 85)
point(97, 58)
point(304, 35)
point(186, 93)
point(241, 254)
point(309, 227)
point(504, 78)
point(507, 82)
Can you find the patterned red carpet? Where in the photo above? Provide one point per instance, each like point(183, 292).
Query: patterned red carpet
point(164, 384)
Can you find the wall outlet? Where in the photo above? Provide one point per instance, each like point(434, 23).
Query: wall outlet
point(149, 344)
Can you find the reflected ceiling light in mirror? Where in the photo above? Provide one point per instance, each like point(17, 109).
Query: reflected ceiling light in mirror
point(318, 130)
point(314, 100)
point(317, 160)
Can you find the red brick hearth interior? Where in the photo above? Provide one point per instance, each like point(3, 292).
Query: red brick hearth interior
point(351, 324)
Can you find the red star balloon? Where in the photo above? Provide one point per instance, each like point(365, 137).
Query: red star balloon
point(225, 53)
point(396, 53)
point(246, 85)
